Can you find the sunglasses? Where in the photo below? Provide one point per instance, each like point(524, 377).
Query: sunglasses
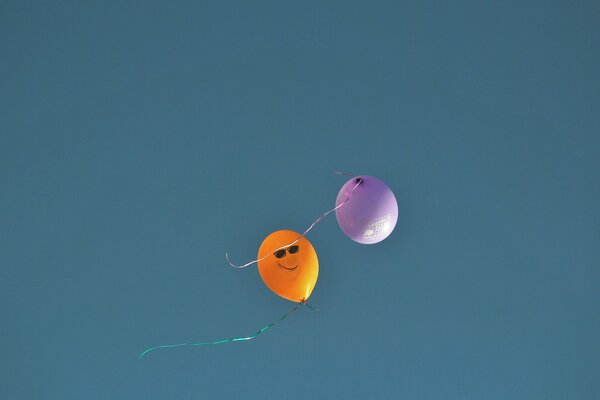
point(281, 253)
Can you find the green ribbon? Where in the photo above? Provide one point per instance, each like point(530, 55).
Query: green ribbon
point(237, 339)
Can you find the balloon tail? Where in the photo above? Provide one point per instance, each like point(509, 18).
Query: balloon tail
point(358, 182)
point(237, 339)
point(244, 265)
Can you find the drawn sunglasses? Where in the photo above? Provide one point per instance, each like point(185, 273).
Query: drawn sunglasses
point(281, 253)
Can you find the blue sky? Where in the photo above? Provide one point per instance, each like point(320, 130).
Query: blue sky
point(139, 141)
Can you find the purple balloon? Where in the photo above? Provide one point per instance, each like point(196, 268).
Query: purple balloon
point(371, 213)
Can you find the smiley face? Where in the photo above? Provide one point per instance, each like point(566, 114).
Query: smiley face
point(286, 258)
point(289, 265)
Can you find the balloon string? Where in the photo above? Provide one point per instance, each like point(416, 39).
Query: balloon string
point(237, 339)
point(342, 173)
point(359, 181)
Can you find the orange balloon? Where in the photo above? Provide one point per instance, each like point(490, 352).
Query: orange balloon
point(290, 272)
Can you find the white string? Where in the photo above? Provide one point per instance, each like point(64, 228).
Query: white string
point(342, 173)
point(358, 182)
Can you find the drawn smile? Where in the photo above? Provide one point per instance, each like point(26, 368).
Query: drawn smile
point(289, 269)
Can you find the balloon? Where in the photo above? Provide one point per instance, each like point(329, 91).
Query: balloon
point(371, 213)
point(290, 272)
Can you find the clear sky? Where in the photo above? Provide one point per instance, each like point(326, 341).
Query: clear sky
point(140, 140)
